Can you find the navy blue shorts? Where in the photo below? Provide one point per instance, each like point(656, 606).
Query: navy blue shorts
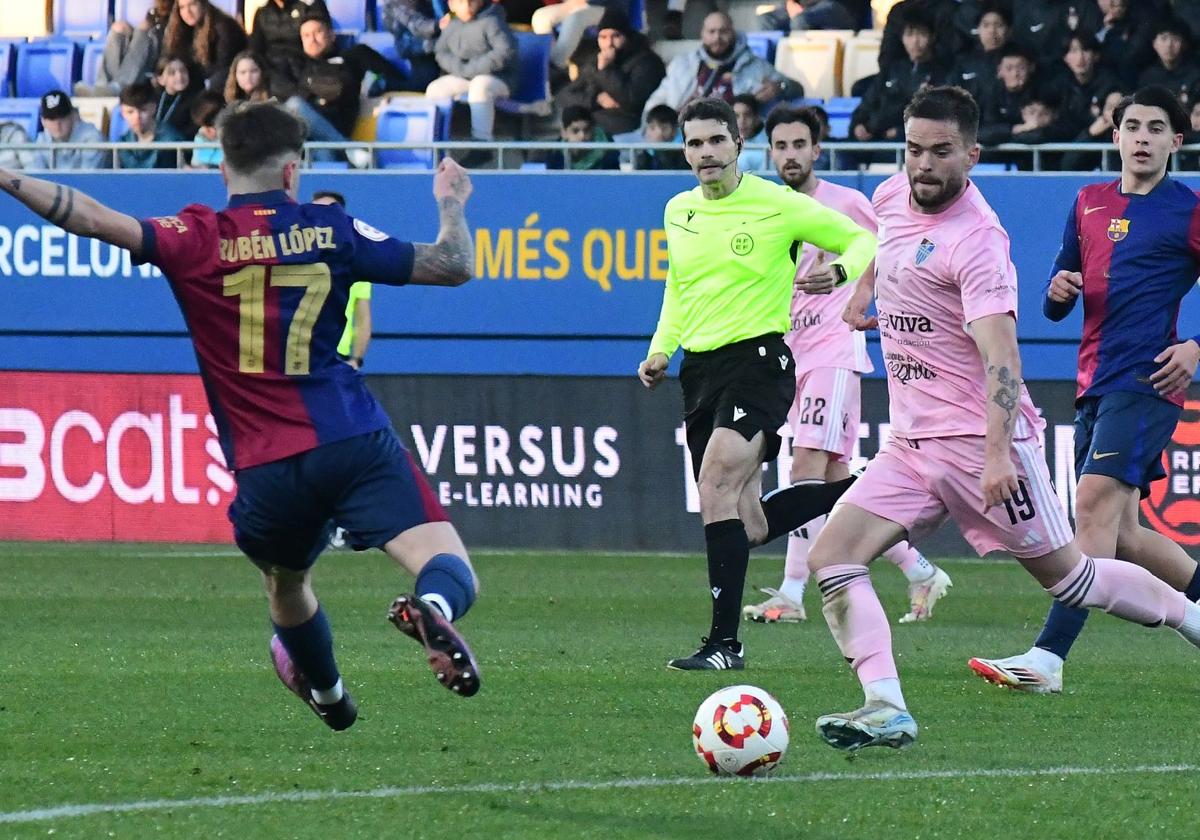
point(284, 511)
point(1123, 435)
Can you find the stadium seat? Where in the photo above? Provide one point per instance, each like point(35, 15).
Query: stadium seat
point(667, 50)
point(806, 101)
point(8, 55)
point(861, 59)
point(22, 20)
point(229, 7)
point(763, 44)
point(24, 112)
point(81, 18)
point(880, 10)
point(840, 109)
point(116, 124)
point(46, 65)
point(384, 43)
point(348, 15)
point(96, 110)
point(132, 12)
point(249, 10)
point(637, 14)
point(406, 119)
point(533, 82)
point(93, 52)
point(814, 62)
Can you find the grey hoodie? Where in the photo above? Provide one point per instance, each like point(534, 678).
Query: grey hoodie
point(482, 45)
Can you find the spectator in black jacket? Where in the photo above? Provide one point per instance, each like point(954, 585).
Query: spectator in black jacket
point(1018, 81)
point(177, 86)
point(275, 35)
point(1119, 38)
point(880, 116)
point(976, 71)
point(660, 127)
point(207, 36)
point(327, 96)
point(1175, 66)
point(951, 22)
point(615, 83)
point(1082, 83)
point(1100, 132)
point(1045, 25)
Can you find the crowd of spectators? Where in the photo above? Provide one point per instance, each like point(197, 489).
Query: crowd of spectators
point(1042, 70)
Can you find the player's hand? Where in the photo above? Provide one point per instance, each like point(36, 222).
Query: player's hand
point(855, 313)
point(998, 482)
point(653, 370)
point(820, 280)
point(1065, 286)
point(1178, 367)
point(451, 181)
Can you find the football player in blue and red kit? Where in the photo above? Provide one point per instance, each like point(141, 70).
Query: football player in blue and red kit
point(1132, 250)
point(263, 286)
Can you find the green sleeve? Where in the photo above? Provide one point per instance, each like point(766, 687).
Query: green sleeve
point(832, 231)
point(666, 334)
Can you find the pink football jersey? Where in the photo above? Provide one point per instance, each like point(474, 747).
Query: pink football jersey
point(935, 274)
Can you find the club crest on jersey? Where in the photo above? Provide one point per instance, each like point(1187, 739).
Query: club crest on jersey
point(924, 251)
point(1118, 229)
point(742, 244)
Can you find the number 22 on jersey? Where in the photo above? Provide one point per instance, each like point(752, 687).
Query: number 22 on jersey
point(249, 286)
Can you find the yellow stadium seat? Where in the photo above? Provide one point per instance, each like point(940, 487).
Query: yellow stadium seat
point(250, 8)
point(96, 110)
point(814, 62)
point(880, 10)
point(860, 59)
point(25, 19)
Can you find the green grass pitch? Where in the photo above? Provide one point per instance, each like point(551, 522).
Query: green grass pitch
point(137, 700)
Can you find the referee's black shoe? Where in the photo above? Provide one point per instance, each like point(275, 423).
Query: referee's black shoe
point(712, 656)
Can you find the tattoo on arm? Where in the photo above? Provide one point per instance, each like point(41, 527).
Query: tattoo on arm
point(1007, 393)
point(450, 259)
point(15, 183)
point(64, 216)
point(53, 211)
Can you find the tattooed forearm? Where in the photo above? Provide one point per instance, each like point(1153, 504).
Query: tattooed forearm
point(62, 217)
point(449, 261)
point(1006, 393)
point(15, 185)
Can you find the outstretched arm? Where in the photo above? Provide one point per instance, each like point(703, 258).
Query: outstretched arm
point(73, 211)
point(450, 261)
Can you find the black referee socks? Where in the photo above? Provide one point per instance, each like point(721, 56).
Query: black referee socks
point(728, 555)
point(789, 508)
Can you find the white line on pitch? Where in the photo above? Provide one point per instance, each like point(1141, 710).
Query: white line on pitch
point(84, 810)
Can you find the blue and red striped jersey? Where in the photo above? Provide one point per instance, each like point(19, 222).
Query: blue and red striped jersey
point(263, 286)
point(1139, 255)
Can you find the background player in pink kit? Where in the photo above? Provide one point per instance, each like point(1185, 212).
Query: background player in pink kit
point(830, 360)
point(263, 287)
point(965, 434)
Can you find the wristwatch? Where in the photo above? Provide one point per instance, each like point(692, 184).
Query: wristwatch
point(840, 271)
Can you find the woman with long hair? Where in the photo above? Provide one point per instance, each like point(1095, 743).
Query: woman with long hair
point(249, 79)
point(209, 37)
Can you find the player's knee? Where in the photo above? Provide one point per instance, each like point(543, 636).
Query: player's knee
point(716, 490)
point(279, 580)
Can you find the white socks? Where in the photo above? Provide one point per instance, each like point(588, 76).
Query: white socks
point(330, 695)
point(885, 691)
point(1190, 629)
point(438, 601)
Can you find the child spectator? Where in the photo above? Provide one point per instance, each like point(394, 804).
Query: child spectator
point(881, 114)
point(660, 127)
point(976, 71)
point(1100, 132)
point(578, 126)
point(176, 88)
point(203, 33)
point(249, 79)
point(139, 101)
point(1174, 66)
point(206, 107)
point(1082, 84)
point(752, 131)
point(1002, 110)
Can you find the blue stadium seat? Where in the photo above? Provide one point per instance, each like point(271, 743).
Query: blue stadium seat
point(230, 7)
point(384, 43)
point(406, 120)
point(842, 104)
point(46, 65)
point(8, 55)
point(132, 12)
point(533, 82)
point(763, 43)
point(637, 14)
point(81, 18)
point(93, 51)
point(24, 112)
point(348, 15)
point(116, 124)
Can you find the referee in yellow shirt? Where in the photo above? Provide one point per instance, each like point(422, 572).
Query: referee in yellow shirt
point(357, 335)
point(732, 243)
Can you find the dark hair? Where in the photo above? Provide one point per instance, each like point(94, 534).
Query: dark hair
point(1014, 50)
point(337, 197)
point(662, 114)
point(206, 107)
point(1172, 26)
point(1086, 40)
point(786, 115)
point(747, 99)
point(946, 103)
point(1156, 96)
point(575, 113)
point(996, 7)
point(252, 133)
point(711, 109)
point(918, 19)
point(138, 94)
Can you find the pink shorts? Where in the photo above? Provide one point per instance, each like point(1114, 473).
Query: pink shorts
point(917, 484)
point(826, 411)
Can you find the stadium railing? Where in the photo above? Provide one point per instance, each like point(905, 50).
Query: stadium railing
point(510, 155)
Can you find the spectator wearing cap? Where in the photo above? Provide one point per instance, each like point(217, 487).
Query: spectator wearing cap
point(139, 101)
point(976, 71)
point(616, 81)
point(207, 36)
point(572, 18)
point(275, 35)
point(1082, 83)
point(61, 123)
point(1173, 67)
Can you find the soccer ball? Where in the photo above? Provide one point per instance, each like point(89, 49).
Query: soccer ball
point(740, 731)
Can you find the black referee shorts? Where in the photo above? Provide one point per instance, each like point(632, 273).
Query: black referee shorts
point(747, 386)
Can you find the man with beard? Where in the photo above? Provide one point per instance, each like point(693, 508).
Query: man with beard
point(830, 362)
point(965, 434)
point(728, 291)
point(721, 67)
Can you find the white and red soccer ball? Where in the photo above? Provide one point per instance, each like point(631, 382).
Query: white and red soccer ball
point(740, 731)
